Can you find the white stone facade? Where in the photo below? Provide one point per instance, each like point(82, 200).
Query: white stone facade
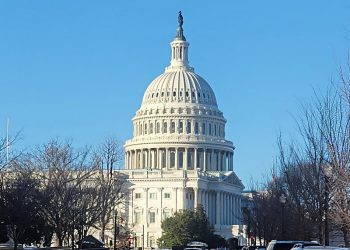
point(178, 157)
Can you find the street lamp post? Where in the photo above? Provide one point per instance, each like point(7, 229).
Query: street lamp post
point(283, 200)
point(143, 237)
point(327, 170)
point(115, 229)
point(73, 240)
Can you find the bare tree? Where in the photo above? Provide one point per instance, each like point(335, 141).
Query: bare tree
point(19, 204)
point(63, 172)
point(109, 184)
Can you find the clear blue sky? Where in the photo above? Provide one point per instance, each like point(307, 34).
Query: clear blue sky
point(78, 69)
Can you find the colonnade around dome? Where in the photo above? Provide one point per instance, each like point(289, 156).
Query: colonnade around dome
point(175, 158)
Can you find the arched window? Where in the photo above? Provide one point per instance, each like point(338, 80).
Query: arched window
point(203, 128)
point(165, 127)
point(172, 127)
point(196, 128)
point(151, 128)
point(172, 158)
point(158, 128)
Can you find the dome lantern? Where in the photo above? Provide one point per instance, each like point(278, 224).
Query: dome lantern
point(179, 50)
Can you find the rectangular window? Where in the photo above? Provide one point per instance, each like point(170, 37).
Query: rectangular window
point(209, 128)
point(152, 217)
point(215, 130)
point(167, 195)
point(180, 159)
point(137, 219)
point(137, 195)
point(166, 214)
point(188, 128)
point(203, 128)
point(196, 128)
point(181, 127)
point(153, 196)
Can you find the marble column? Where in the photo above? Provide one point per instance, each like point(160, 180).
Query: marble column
point(236, 209)
point(195, 198)
point(176, 158)
point(185, 159)
point(195, 151)
point(149, 151)
point(204, 159)
point(137, 159)
point(145, 218)
point(218, 206)
point(126, 160)
point(239, 210)
point(166, 158)
point(141, 159)
point(160, 190)
point(176, 201)
point(224, 209)
point(206, 200)
point(230, 210)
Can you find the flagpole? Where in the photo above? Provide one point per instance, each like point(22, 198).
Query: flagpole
point(7, 143)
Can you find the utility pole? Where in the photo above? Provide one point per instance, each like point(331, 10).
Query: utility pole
point(7, 143)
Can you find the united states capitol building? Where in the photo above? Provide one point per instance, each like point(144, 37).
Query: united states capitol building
point(179, 157)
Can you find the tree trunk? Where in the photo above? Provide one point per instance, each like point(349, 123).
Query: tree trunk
point(60, 239)
point(345, 236)
point(103, 229)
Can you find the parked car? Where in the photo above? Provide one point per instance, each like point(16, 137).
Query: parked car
point(301, 246)
point(196, 245)
point(289, 244)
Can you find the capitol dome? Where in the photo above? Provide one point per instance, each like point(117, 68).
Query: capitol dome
point(179, 120)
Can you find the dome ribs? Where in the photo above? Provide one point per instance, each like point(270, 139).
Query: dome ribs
point(173, 98)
